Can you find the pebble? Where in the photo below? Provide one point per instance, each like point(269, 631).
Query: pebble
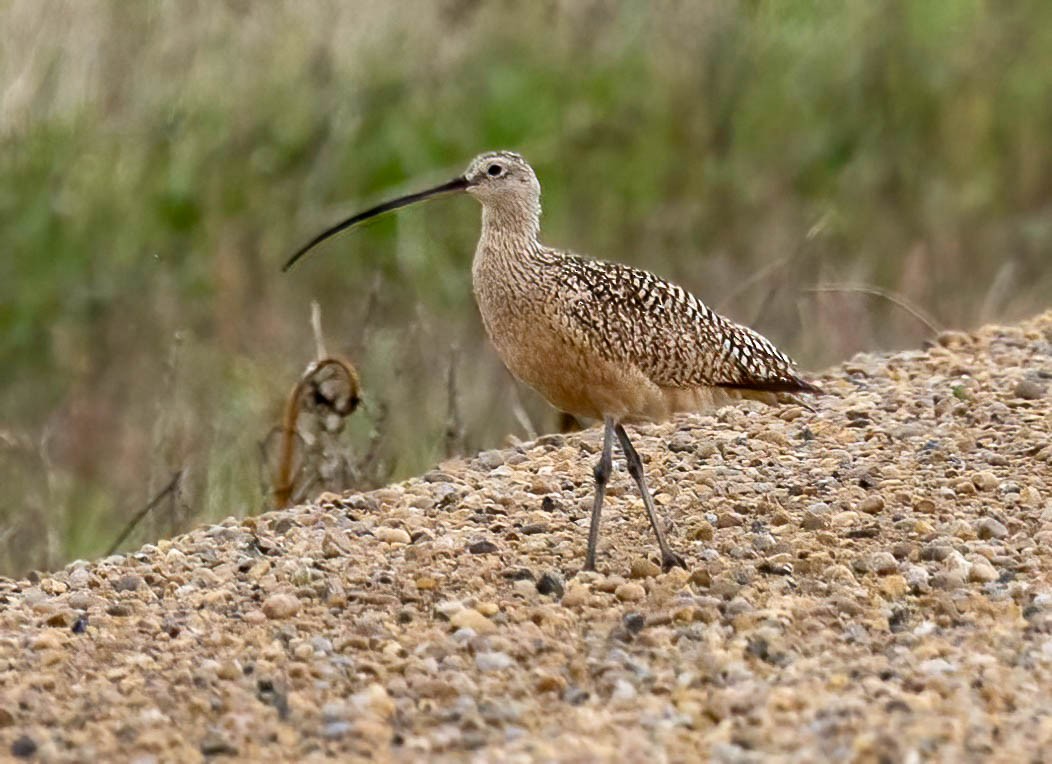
point(948, 580)
point(575, 596)
point(985, 480)
point(917, 578)
point(644, 568)
point(392, 535)
point(469, 618)
point(551, 584)
point(493, 661)
point(990, 528)
point(982, 572)
point(936, 666)
point(729, 520)
point(883, 563)
point(23, 747)
point(490, 459)
point(128, 583)
point(278, 606)
point(630, 592)
point(1029, 390)
point(872, 505)
point(624, 691)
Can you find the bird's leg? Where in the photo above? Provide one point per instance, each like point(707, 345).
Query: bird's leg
point(602, 477)
point(669, 559)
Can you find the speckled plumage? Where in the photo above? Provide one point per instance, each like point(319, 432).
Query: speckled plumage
point(597, 339)
point(604, 339)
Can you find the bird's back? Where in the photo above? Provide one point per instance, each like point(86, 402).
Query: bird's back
point(599, 338)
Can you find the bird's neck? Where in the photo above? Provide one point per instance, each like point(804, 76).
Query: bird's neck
point(509, 236)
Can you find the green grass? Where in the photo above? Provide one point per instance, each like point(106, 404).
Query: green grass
point(157, 164)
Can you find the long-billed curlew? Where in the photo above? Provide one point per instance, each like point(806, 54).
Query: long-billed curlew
point(597, 339)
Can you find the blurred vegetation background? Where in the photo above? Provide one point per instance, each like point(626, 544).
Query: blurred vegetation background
point(160, 159)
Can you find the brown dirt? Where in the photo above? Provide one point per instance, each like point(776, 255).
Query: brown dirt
point(872, 581)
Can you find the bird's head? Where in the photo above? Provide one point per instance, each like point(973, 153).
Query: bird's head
point(501, 180)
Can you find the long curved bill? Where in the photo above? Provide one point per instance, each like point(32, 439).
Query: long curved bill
point(457, 184)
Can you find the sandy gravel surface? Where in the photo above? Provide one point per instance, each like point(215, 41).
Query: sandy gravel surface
point(872, 582)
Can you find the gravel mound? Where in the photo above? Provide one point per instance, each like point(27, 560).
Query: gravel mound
point(870, 581)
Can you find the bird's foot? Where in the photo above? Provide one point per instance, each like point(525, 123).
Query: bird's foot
point(670, 560)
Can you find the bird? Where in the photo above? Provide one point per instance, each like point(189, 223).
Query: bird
point(599, 340)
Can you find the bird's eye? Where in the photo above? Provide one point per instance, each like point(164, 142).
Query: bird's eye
point(494, 170)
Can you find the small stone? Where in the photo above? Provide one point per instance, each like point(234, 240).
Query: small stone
point(576, 595)
point(728, 520)
point(550, 683)
point(336, 730)
point(936, 552)
point(701, 577)
point(392, 535)
point(917, 578)
point(278, 606)
point(491, 459)
point(1030, 497)
point(79, 578)
point(644, 568)
point(924, 506)
point(623, 691)
point(550, 584)
point(893, 587)
point(23, 747)
point(681, 441)
point(483, 547)
point(883, 563)
point(935, 666)
point(872, 505)
point(469, 618)
point(985, 480)
point(448, 608)
point(702, 532)
point(60, 619)
point(630, 592)
point(493, 661)
point(333, 545)
point(982, 572)
point(814, 522)
point(948, 580)
point(374, 700)
point(634, 622)
point(989, 528)
point(128, 583)
point(215, 743)
point(1029, 390)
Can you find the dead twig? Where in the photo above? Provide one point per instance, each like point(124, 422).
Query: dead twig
point(315, 325)
point(454, 434)
point(169, 490)
point(895, 299)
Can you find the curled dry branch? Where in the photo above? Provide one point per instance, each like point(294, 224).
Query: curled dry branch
point(315, 413)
